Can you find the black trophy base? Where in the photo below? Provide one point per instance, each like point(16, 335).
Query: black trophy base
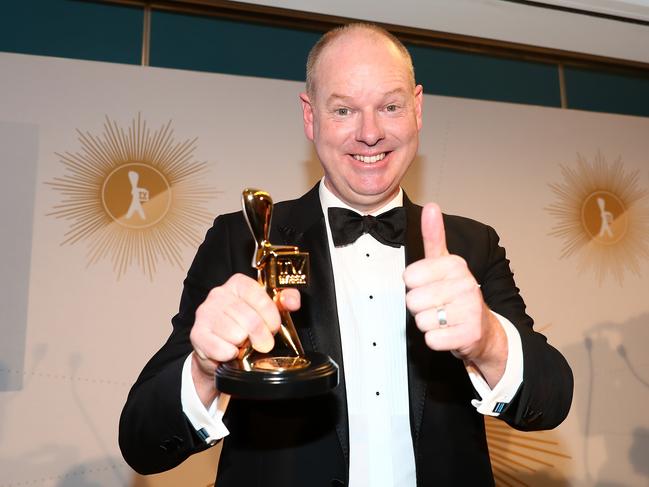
point(279, 377)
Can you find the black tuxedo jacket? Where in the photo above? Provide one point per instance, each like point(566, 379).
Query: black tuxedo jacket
point(305, 442)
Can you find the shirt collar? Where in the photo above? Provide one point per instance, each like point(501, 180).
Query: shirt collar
point(328, 199)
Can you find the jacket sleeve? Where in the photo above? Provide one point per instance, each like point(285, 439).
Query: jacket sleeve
point(544, 398)
point(154, 433)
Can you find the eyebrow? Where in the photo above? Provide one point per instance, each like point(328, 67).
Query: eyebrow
point(335, 96)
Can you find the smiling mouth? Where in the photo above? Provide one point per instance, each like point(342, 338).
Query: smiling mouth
point(369, 159)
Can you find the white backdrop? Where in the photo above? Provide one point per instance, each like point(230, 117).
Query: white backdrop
point(78, 332)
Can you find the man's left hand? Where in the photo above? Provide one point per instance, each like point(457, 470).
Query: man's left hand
point(441, 287)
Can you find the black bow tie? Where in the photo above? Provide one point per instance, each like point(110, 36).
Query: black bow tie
point(389, 228)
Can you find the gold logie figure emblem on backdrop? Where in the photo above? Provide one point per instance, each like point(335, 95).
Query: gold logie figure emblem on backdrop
point(134, 195)
point(601, 216)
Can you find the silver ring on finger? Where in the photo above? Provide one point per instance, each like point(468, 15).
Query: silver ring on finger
point(441, 317)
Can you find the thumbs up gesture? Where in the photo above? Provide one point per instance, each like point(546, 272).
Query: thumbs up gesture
point(447, 303)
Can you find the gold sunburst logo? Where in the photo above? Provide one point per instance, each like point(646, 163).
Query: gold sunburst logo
point(516, 457)
point(602, 216)
point(135, 195)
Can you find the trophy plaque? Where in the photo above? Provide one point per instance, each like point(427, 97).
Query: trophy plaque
point(286, 371)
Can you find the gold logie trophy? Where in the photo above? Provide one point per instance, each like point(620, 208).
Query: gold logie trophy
point(286, 371)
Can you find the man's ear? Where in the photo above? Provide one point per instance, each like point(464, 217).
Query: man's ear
point(307, 115)
point(419, 103)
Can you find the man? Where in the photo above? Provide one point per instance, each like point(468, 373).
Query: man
point(430, 333)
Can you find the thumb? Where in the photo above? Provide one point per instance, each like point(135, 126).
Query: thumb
point(432, 231)
point(289, 299)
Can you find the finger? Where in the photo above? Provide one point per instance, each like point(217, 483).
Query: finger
point(256, 297)
point(432, 231)
point(289, 299)
point(236, 322)
point(452, 338)
point(442, 339)
point(429, 319)
point(210, 347)
point(238, 310)
point(223, 314)
point(246, 322)
point(426, 271)
point(439, 293)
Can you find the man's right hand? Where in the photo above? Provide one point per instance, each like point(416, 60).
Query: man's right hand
point(233, 313)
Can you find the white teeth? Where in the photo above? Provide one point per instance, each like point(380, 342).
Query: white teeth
point(370, 159)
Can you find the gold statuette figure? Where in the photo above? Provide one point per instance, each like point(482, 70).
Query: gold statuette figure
point(286, 371)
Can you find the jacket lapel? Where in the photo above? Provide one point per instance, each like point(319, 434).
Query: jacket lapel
point(419, 356)
point(317, 319)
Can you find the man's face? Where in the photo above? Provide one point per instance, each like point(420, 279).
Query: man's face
point(364, 119)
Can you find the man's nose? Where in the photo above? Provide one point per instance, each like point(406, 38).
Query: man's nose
point(370, 130)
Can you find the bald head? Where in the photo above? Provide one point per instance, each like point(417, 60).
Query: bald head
point(340, 35)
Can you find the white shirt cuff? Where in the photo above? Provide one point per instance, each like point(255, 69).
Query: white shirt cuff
point(493, 401)
point(207, 422)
